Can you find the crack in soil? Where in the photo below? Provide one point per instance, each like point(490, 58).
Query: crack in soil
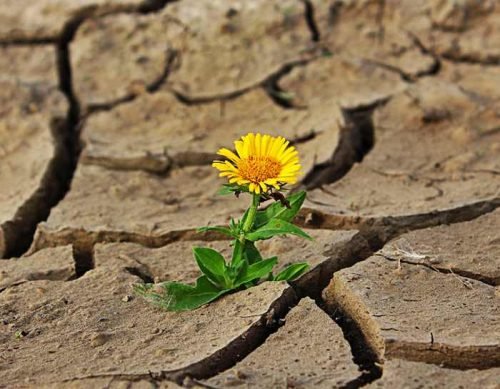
point(357, 138)
point(269, 84)
point(312, 218)
point(452, 56)
point(84, 259)
point(446, 270)
point(358, 249)
point(490, 60)
point(311, 21)
point(226, 357)
point(171, 62)
point(18, 233)
point(362, 354)
point(432, 70)
point(454, 357)
point(145, 276)
point(86, 12)
point(85, 240)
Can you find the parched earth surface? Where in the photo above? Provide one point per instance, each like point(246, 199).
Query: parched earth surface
point(110, 114)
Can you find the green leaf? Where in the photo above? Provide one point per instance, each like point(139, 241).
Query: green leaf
point(250, 253)
point(256, 271)
point(237, 258)
point(292, 272)
point(278, 211)
point(227, 189)
point(222, 230)
point(175, 296)
point(275, 227)
point(212, 264)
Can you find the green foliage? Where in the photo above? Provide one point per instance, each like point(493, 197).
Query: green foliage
point(222, 230)
point(228, 189)
point(246, 267)
point(256, 271)
point(175, 296)
point(275, 227)
point(278, 211)
point(292, 272)
point(213, 265)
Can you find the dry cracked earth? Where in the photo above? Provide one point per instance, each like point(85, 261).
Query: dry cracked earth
point(110, 114)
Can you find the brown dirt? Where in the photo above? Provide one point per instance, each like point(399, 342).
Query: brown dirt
point(405, 313)
point(399, 373)
point(29, 146)
point(305, 352)
point(394, 107)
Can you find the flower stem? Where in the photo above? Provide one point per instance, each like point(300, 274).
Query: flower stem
point(251, 215)
point(247, 226)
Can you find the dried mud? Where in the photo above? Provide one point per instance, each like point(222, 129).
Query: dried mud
point(111, 113)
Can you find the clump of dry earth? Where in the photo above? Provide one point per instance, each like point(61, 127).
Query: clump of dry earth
point(111, 112)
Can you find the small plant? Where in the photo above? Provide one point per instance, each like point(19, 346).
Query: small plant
point(261, 167)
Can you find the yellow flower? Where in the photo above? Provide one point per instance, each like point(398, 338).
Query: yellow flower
point(260, 161)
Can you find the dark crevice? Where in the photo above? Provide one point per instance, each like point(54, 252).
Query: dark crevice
point(339, 257)
point(35, 41)
point(68, 33)
point(362, 354)
point(489, 60)
point(407, 77)
point(404, 76)
point(69, 29)
point(244, 345)
point(189, 100)
point(141, 273)
point(436, 65)
point(83, 255)
point(311, 21)
point(395, 225)
point(359, 248)
point(453, 56)
point(83, 238)
point(18, 233)
point(307, 137)
point(150, 6)
point(171, 57)
point(369, 241)
point(272, 86)
point(433, 70)
point(357, 138)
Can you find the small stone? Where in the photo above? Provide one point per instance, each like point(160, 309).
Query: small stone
point(98, 339)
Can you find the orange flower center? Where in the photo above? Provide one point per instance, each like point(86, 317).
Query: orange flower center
point(258, 169)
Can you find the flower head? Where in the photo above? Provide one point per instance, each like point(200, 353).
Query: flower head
point(260, 162)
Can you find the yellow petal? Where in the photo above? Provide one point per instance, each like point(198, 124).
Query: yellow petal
point(278, 142)
point(249, 141)
point(258, 144)
point(229, 154)
point(241, 149)
point(282, 149)
point(265, 144)
point(219, 165)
